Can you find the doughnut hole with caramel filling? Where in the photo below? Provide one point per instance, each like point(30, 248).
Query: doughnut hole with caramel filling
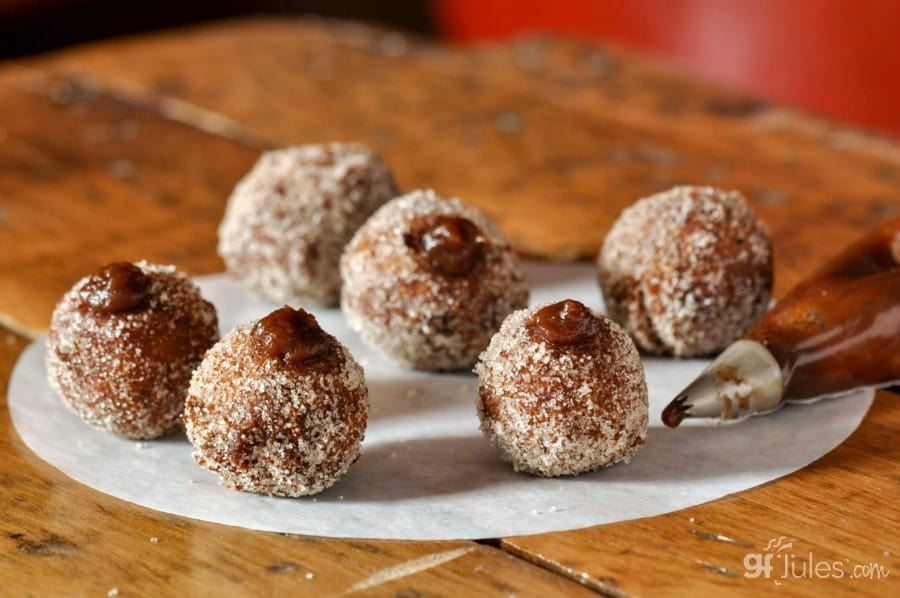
point(562, 391)
point(123, 344)
point(277, 407)
point(427, 281)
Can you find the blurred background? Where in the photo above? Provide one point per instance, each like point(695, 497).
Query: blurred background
point(835, 58)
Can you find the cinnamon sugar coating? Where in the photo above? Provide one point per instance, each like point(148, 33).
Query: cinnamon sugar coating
point(562, 408)
point(686, 271)
point(269, 418)
point(427, 281)
point(122, 358)
point(288, 220)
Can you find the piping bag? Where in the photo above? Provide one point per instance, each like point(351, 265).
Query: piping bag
point(834, 332)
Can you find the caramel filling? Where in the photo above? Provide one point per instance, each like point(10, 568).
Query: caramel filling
point(567, 323)
point(118, 287)
point(292, 335)
point(449, 245)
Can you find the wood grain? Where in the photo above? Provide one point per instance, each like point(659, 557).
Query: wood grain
point(89, 177)
point(128, 149)
point(570, 133)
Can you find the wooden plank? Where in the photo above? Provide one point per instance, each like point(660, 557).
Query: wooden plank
point(570, 133)
point(57, 538)
point(572, 169)
point(808, 179)
point(90, 176)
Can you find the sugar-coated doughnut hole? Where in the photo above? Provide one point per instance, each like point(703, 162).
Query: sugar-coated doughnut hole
point(562, 391)
point(686, 271)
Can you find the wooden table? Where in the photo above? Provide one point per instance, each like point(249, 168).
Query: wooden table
point(128, 149)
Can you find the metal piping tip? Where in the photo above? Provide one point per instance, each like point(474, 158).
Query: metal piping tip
point(744, 380)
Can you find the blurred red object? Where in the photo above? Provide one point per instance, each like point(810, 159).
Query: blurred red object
point(838, 58)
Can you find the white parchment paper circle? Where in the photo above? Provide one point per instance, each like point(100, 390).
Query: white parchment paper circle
point(426, 471)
